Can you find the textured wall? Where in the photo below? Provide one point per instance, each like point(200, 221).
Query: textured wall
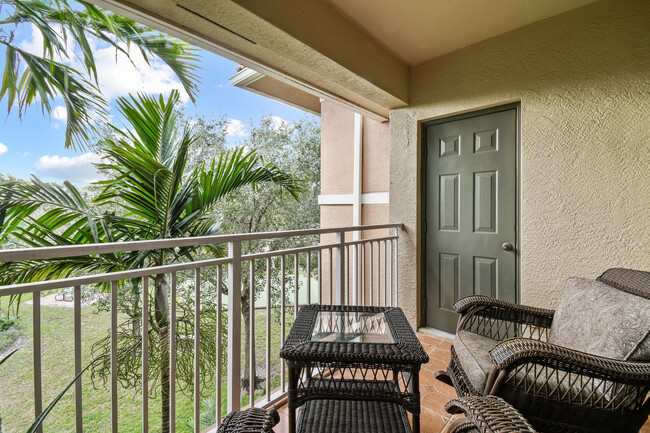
point(336, 150)
point(583, 79)
point(375, 157)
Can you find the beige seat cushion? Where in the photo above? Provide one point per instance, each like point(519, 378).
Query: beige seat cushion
point(601, 320)
point(474, 357)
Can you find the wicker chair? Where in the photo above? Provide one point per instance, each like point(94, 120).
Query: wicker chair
point(584, 367)
point(486, 415)
point(253, 420)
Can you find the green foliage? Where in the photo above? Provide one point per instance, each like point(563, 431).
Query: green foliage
point(294, 148)
point(147, 181)
point(28, 78)
point(6, 322)
point(158, 197)
point(129, 355)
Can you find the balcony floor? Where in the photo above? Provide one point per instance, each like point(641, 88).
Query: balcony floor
point(435, 394)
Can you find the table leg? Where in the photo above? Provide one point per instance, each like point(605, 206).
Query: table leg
point(415, 382)
point(292, 406)
point(416, 423)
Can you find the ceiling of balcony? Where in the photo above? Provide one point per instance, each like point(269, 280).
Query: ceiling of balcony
point(419, 30)
point(357, 53)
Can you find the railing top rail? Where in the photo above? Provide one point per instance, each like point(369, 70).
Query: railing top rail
point(119, 247)
point(39, 286)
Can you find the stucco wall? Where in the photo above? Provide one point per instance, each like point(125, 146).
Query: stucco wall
point(337, 150)
point(375, 157)
point(583, 79)
point(337, 167)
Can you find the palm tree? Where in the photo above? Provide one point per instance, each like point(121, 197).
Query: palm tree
point(28, 78)
point(156, 196)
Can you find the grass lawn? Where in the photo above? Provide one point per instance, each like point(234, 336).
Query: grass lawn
point(16, 377)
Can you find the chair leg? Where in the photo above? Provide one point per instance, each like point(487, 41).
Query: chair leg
point(443, 377)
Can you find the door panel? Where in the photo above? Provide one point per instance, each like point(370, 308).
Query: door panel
point(470, 212)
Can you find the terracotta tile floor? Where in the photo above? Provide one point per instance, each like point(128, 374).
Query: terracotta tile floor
point(435, 394)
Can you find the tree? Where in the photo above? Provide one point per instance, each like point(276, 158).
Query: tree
point(28, 78)
point(159, 199)
point(296, 149)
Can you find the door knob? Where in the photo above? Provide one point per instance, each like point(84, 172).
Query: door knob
point(507, 246)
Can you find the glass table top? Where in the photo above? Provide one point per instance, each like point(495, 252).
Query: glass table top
point(352, 327)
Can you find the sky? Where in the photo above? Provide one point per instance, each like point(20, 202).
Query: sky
point(35, 143)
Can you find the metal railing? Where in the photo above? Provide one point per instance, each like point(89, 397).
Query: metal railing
point(342, 272)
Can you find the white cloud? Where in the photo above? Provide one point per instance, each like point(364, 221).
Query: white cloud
point(117, 74)
point(23, 155)
point(3, 149)
point(76, 169)
point(236, 128)
point(60, 113)
point(278, 122)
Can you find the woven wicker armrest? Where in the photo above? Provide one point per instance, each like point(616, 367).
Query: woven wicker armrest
point(253, 420)
point(487, 415)
point(521, 312)
point(501, 320)
point(516, 351)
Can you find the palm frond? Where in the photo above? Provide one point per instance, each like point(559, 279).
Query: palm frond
point(61, 26)
point(42, 80)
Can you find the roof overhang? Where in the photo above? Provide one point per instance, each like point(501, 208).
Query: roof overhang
point(355, 53)
point(269, 87)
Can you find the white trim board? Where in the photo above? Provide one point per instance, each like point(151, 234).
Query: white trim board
point(348, 199)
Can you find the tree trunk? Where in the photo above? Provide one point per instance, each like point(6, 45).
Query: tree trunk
point(164, 377)
point(162, 322)
point(247, 337)
point(136, 319)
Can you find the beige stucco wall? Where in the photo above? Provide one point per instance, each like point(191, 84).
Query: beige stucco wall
point(337, 168)
point(375, 157)
point(583, 79)
point(336, 149)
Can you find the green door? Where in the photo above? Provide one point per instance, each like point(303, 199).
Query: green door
point(471, 212)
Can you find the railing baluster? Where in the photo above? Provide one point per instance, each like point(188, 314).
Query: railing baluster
point(363, 274)
point(77, 359)
point(295, 291)
point(234, 327)
point(219, 349)
point(172, 357)
point(385, 285)
point(370, 273)
point(346, 291)
point(378, 274)
point(283, 323)
point(145, 354)
point(331, 262)
point(114, 422)
point(320, 276)
point(268, 329)
point(38, 377)
point(390, 273)
point(397, 230)
point(251, 339)
point(340, 264)
point(308, 277)
point(355, 275)
point(197, 351)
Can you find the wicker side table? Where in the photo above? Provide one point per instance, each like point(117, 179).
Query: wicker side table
point(362, 361)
